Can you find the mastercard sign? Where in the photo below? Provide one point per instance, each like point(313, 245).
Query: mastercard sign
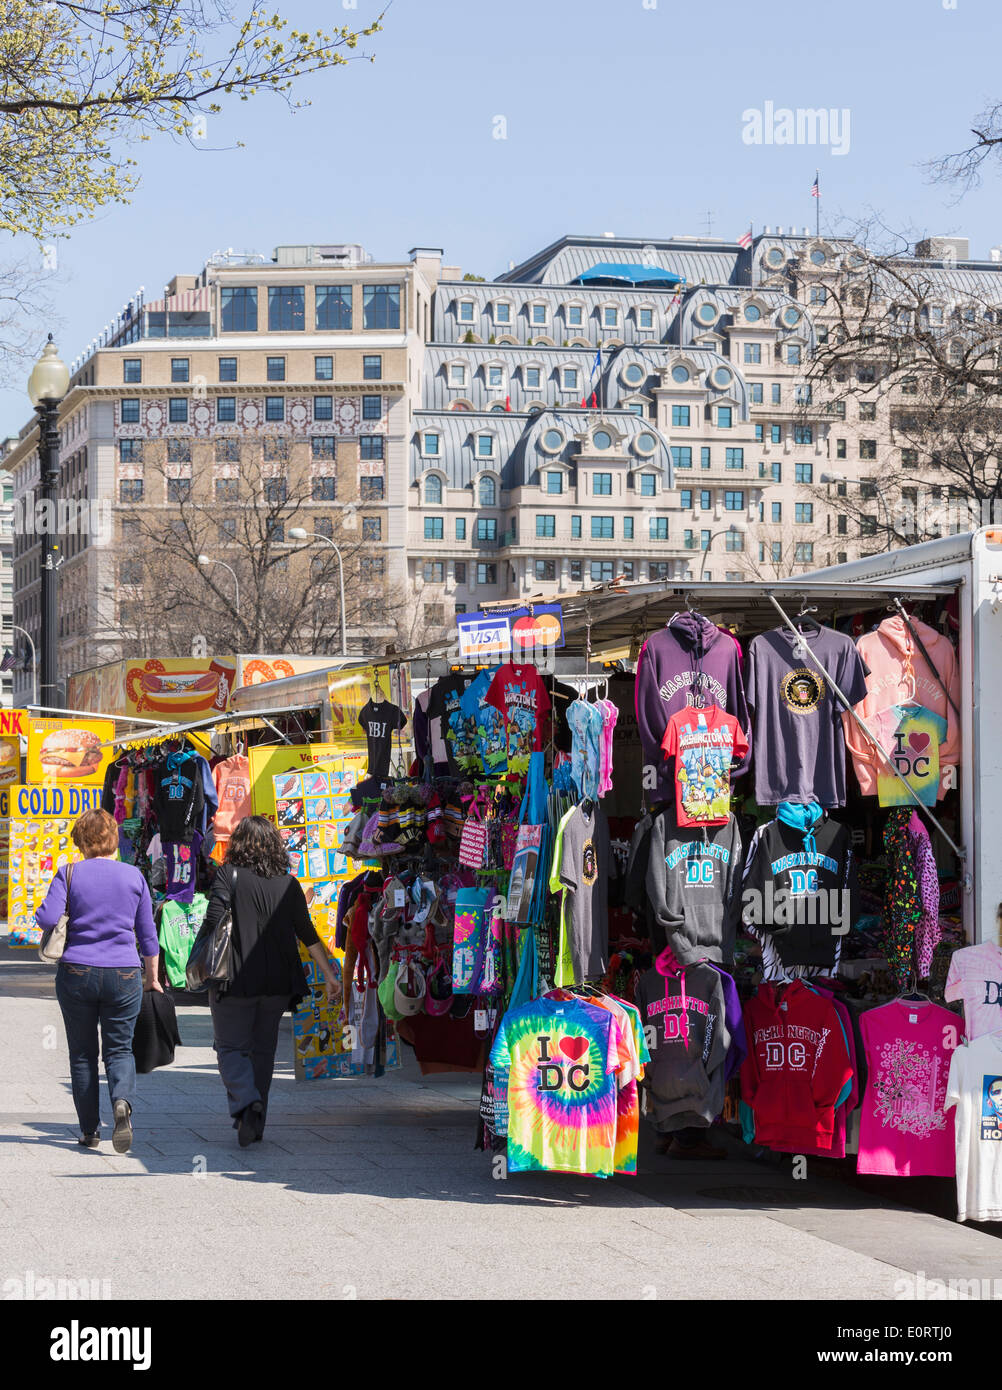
point(543, 627)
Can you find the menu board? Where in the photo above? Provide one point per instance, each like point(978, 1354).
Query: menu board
point(41, 819)
point(65, 751)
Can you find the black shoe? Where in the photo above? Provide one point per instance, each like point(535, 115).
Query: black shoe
point(251, 1120)
point(122, 1134)
point(90, 1141)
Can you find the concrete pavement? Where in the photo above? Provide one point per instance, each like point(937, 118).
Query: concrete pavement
point(372, 1189)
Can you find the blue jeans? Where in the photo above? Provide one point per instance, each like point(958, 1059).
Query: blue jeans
point(89, 996)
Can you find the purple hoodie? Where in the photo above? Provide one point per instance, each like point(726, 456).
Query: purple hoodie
point(689, 663)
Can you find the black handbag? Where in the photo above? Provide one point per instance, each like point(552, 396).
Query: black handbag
point(211, 959)
point(156, 1035)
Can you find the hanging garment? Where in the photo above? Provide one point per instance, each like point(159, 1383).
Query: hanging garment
point(910, 735)
point(975, 976)
point(519, 695)
point(799, 735)
point(974, 1087)
point(379, 721)
point(905, 1130)
point(610, 717)
point(179, 925)
point(928, 932)
point(586, 724)
point(800, 886)
point(580, 871)
point(848, 1098)
point(232, 782)
point(179, 796)
point(900, 676)
point(701, 745)
point(684, 1006)
point(452, 750)
point(561, 1058)
point(470, 938)
point(689, 662)
point(422, 730)
point(692, 882)
point(903, 909)
point(796, 1068)
point(182, 868)
point(734, 1021)
point(484, 726)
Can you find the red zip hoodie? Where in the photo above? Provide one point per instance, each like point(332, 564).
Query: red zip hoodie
point(796, 1066)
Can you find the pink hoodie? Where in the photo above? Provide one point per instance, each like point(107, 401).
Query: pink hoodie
point(899, 675)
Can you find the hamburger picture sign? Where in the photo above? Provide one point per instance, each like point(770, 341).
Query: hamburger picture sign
point(69, 750)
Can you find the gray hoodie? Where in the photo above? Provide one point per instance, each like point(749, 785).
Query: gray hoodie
point(692, 878)
point(684, 1021)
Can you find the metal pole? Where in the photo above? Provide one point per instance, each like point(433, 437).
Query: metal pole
point(34, 661)
point(48, 455)
point(340, 565)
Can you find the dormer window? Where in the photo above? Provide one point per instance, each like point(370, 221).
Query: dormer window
point(574, 314)
point(466, 310)
point(431, 444)
point(502, 311)
point(496, 376)
point(539, 314)
point(610, 317)
point(457, 375)
point(485, 446)
point(570, 379)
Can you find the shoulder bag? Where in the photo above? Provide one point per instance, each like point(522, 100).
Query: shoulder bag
point(53, 942)
point(211, 959)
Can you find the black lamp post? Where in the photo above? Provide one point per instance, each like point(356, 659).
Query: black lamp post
point(47, 385)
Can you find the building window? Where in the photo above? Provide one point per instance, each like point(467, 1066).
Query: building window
point(434, 528)
point(777, 393)
point(868, 410)
point(130, 490)
point(487, 528)
point(132, 369)
point(227, 450)
point(457, 374)
point(239, 309)
point(177, 410)
point(753, 353)
point(433, 572)
point(575, 528)
point(286, 308)
point(627, 528)
point(685, 499)
point(610, 317)
point(433, 491)
point(333, 307)
point(372, 566)
point(546, 526)
point(840, 449)
point(603, 528)
point(226, 410)
point(538, 315)
point(705, 500)
point(227, 489)
point(601, 571)
point(804, 472)
point(734, 540)
point(274, 407)
point(645, 318)
point(381, 306)
point(532, 378)
point(842, 526)
point(659, 528)
point(370, 446)
point(323, 368)
point(734, 459)
point(575, 316)
point(793, 354)
point(372, 528)
point(502, 313)
point(680, 415)
point(324, 488)
point(179, 369)
point(554, 483)
point(803, 513)
point(648, 485)
point(487, 573)
point(760, 434)
point(485, 447)
point(323, 407)
point(459, 574)
point(130, 450)
point(275, 490)
point(372, 367)
point(179, 451)
point(868, 448)
point(546, 570)
point(372, 407)
point(681, 455)
point(776, 434)
point(276, 369)
point(323, 446)
point(129, 410)
point(569, 379)
point(227, 369)
point(755, 391)
point(466, 310)
point(803, 553)
point(819, 295)
point(725, 417)
point(178, 489)
point(460, 528)
point(487, 492)
point(734, 500)
point(601, 484)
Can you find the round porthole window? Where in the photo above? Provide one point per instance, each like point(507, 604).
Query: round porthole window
point(633, 375)
point(791, 317)
point(774, 257)
point(645, 443)
point(752, 313)
point(721, 377)
point(602, 439)
point(818, 257)
point(553, 441)
point(680, 374)
point(707, 313)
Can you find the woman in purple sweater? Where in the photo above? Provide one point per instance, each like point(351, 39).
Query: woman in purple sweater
point(98, 979)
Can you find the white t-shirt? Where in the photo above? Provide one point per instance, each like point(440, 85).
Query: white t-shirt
point(975, 1088)
point(976, 977)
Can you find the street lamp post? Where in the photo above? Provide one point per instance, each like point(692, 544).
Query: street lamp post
point(47, 385)
point(206, 560)
point(726, 531)
point(297, 533)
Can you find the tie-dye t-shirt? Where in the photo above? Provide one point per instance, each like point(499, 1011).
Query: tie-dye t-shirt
point(628, 1095)
point(910, 735)
point(561, 1058)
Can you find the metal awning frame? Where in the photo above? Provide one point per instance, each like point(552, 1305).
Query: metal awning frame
point(223, 722)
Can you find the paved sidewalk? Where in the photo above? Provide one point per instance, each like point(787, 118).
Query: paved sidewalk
point(372, 1189)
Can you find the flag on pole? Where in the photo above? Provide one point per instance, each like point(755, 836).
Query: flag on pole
point(507, 402)
point(596, 366)
point(816, 186)
point(7, 661)
point(594, 401)
point(745, 239)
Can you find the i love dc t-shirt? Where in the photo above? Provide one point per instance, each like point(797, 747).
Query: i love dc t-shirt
point(561, 1058)
point(911, 735)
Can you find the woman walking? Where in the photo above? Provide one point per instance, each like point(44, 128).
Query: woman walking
point(98, 981)
point(269, 914)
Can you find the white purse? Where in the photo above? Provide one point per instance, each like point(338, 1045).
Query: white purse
point(53, 942)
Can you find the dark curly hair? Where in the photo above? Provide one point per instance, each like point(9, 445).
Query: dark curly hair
point(255, 844)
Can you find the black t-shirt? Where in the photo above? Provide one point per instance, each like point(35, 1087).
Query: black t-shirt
point(449, 732)
point(380, 723)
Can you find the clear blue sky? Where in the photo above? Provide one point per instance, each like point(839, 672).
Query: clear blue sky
point(619, 118)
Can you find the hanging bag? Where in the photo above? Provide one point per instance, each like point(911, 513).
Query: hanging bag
point(211, 959)
point(473, 844)
point(53, 942)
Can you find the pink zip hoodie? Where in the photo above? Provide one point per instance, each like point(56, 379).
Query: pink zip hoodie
point(899, 675)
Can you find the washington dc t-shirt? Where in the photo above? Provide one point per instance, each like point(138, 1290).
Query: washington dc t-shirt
point(561, 1058)
point(449, 731)
point(975, 976)
point(703, 743)
point(905, 1130)
point(975, 1089)
point(484, 726)
point(911, 735)
point(519, 694)
point(380, 722)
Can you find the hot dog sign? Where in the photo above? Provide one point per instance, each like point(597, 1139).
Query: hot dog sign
point(181, 688)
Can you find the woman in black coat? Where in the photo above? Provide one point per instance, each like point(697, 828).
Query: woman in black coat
point(269, 915)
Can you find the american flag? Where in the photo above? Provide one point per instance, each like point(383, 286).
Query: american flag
point(816, 186)
point(7, 661)
point(745, 239)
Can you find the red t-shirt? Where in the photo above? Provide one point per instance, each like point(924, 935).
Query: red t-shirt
point(704, 743)
point(520, 695)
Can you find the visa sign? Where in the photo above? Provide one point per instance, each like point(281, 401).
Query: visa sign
point(483, 635)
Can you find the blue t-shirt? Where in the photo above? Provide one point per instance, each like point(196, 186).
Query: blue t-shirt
point(586, 725)
point(485, 725)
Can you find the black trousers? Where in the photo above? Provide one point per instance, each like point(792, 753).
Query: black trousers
point(245, 1038)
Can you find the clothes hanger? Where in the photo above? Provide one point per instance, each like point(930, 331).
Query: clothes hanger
point(912, 993)
point(805, 611)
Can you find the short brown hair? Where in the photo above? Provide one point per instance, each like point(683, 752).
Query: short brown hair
point(96, 832)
